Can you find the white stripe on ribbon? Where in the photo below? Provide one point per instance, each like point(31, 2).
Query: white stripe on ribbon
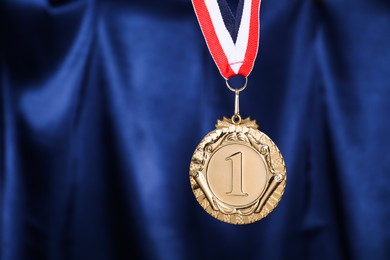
point(235, 53)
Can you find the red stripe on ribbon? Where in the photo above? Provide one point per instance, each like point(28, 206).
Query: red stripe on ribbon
point(253, 41)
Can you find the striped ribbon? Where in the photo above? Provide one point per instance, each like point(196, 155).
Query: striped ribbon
point(233, 41)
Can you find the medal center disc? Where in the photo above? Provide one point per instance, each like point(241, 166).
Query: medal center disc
point(237, 174)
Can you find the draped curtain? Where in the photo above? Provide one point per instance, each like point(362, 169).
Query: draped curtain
point(103, 103)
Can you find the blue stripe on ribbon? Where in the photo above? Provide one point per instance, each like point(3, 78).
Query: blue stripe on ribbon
point(232, 22)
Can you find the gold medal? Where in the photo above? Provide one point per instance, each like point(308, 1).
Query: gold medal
point(237, 173)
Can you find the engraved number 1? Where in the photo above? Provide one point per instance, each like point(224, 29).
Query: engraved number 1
point(236, 189)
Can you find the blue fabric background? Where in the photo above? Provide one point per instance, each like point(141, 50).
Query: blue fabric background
point(104, 102)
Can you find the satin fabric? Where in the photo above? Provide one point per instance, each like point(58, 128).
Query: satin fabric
point(104, 102)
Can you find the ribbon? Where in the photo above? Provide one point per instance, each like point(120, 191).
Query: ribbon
point(232, 41)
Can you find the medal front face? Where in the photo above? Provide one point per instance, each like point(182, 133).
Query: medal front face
point(237, 173)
